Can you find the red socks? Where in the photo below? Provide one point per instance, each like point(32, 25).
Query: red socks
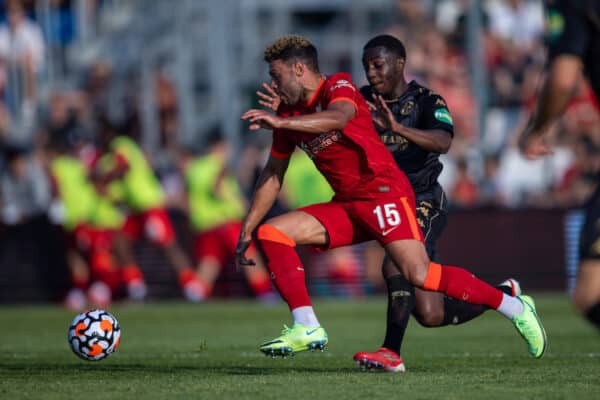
point(287, 271)
point(460, 284)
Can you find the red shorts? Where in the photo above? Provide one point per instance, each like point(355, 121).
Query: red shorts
point(155, 224)
point(383, 219)
point(86, 238)
point(219, 242)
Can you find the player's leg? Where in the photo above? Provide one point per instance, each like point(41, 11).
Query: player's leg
point(159, 229)
point(587, 291)
point(131, 274)
point(458, 283)
point(322, 225)
point(392, 222)
point(586, 296)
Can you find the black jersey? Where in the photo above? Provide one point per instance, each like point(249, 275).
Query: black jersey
point(419, 108)
point(574, 28)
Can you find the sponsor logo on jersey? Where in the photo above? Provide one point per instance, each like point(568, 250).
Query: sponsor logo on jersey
point(443, 115)
point(321, 142)
point(407, 108)
point(340, 84)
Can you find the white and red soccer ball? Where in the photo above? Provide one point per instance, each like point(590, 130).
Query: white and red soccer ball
point(94, 335)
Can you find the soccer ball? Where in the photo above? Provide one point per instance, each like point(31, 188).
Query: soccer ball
point(94, 335)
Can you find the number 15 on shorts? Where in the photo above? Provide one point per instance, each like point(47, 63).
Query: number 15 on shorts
point(387, 217)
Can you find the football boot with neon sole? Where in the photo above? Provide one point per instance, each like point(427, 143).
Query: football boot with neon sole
point(382, 359)
point(530, 327)
point(295, 339)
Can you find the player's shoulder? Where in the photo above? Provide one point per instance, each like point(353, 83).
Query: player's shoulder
point(339, 80)
point(425, 94)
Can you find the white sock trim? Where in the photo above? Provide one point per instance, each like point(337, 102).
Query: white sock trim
point(306, 316)
point(510, 306)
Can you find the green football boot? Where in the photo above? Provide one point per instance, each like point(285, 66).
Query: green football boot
point(530, 327)
point(295, 339)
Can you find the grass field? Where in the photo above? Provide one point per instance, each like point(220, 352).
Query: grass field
point(173, 350)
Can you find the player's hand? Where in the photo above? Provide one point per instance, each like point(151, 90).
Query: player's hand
point(270, 99)
point(261, 119)
point(382, 116)
point(534, 145)
point(240, 254)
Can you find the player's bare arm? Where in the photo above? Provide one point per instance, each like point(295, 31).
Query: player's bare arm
point(267, 189)
point(436, 140)
point(563, 77)
point(334, 118)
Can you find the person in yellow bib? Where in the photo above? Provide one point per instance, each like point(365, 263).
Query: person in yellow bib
point(89, 222)
point(216, 207)
point(125, 164)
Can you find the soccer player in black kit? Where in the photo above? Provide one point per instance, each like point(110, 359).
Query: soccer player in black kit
point(573, 51)
point(416, 126)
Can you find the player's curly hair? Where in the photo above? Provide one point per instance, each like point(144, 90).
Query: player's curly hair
point(293, 47)
point(388, 42)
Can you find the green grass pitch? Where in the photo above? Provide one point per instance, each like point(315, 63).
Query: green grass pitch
point(183, 351)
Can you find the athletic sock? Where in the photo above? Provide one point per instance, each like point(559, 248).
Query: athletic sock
point(510, 306)
point(306, 316)
point(458, 312)
point(401, 302)
point(287, 271)
point(593, 315)
point(460, 284)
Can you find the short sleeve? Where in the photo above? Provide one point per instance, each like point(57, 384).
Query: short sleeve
point(435, 114)
point(567, 32)
point(281, 147)
point(342, 90)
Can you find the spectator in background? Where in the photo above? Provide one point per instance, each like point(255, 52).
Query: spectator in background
point(518, 22)
point(490, 190)
point(464, 192)
point(24, 189)
point(22, 48)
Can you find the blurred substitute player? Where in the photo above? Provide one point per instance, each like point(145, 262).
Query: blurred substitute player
point(90, 222)
point(574, 50)
point(216, 208)
point(124, 165)
point(416, 126)
point(329, 119)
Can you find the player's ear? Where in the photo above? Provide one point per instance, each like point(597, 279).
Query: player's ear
point(400, 63)
point(299, 68)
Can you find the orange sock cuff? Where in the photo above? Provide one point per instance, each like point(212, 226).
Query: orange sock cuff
point(270, 233)
point(434, 277)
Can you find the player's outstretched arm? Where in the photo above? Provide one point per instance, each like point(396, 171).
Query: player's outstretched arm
point(268, 187)
point(437, 140)
point(334, 118)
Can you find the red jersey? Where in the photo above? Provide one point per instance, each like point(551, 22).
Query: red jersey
point(354, 161)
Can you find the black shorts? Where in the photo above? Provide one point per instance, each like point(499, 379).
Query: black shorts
point(589, 241)
point(432, 216)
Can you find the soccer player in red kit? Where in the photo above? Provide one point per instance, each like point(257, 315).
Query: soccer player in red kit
point(328, 118)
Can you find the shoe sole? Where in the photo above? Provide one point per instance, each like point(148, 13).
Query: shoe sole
point(369, 365)
point(284, 352)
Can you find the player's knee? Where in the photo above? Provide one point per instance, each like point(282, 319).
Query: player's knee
point(582, 301)
point(428, 315)
point(416, 273)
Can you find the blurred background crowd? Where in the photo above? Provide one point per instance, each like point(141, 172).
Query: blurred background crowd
point(176, 76)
